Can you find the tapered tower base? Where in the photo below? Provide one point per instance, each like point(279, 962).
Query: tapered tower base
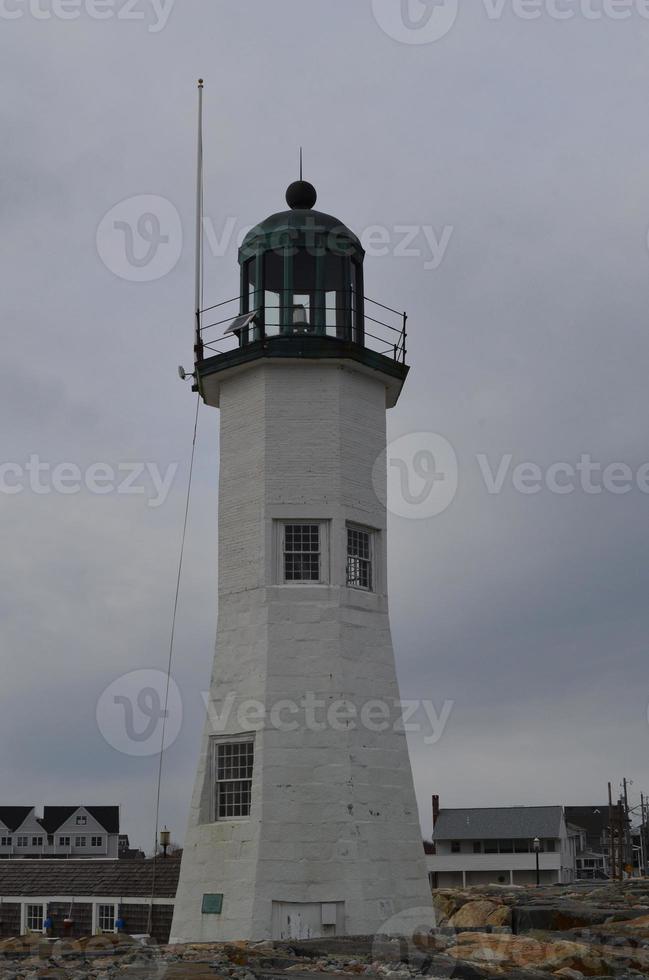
point(305, 672)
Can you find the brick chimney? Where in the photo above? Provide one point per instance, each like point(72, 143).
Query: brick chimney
point(435, 810)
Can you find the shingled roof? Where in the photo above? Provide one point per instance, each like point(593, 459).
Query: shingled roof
point(506, 822)
point(13, 816)
point(121, 879)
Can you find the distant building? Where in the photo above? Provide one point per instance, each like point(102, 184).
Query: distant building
point(495, 845)
point(593, 856)
point(59, 832)
point(83, 898)
point(126, 852)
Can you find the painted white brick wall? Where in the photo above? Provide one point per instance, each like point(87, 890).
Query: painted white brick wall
point(334, 817)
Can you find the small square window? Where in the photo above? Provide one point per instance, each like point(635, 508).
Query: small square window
point(81, 821)
point(302, 553)
point(64, 841)
point(360, 558)
point(80, 842)
point(22, 842)
point(302, 548)
point(5, 841)
point(96, 841)
point(37, 841)
point(34, 918)
point(232, 763)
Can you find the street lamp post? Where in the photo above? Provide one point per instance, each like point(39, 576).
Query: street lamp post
point(536, 844)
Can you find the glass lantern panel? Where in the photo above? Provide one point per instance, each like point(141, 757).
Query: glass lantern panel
point(302, 310)
point(337, 316)
point(273, 287)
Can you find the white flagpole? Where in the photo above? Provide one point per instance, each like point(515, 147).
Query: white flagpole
point(198, 345)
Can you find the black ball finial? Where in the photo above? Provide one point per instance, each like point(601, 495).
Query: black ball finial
point(301, 195)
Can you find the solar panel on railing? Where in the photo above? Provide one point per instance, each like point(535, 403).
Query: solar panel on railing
point(241, 322)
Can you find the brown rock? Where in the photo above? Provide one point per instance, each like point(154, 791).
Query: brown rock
point(516, 951)
point(473, 914)
point(444, 905)
point(501, 916)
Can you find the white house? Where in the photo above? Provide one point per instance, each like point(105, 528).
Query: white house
point(496, 845)
point(59, 832)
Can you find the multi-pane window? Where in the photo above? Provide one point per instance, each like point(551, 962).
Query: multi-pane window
point(5, 841)
point(96, 841)
point(233, 762)
point(302, 552)
point(64, 841)
point(359, 558)
point(22, 841)
point(106, 918)
point(80, 842)
point(34, 918)
point(37, 841)
point(81, 821)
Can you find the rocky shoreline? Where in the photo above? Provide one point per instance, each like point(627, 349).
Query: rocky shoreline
point(597, 930)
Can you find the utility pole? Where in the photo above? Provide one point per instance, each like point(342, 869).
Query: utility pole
point(611, 834)
point(642, 837)
point(628, 852)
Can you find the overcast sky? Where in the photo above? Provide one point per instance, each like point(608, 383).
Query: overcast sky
point(517, 146)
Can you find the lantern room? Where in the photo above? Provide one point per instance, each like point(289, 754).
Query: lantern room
point(301, 274)
point(302, 297)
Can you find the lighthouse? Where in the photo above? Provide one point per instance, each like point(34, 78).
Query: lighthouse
point(303, 820)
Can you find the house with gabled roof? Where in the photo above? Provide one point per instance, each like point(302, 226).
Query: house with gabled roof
point(496, 845)
point(60, 832)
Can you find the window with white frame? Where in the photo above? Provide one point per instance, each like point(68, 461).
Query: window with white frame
point(22, 841)
point(96, 841)
point(80, 842)
point(37, 841)
point(34, 918)
point(5, 841)
point(303, 557)
point(81, 821)
point(106, 918)
point(232, 765)
point(64, 841)
point(360, 558)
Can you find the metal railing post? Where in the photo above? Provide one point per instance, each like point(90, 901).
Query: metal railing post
point(405, 335)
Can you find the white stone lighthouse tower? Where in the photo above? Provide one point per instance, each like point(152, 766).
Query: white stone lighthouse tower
point(303, 820)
